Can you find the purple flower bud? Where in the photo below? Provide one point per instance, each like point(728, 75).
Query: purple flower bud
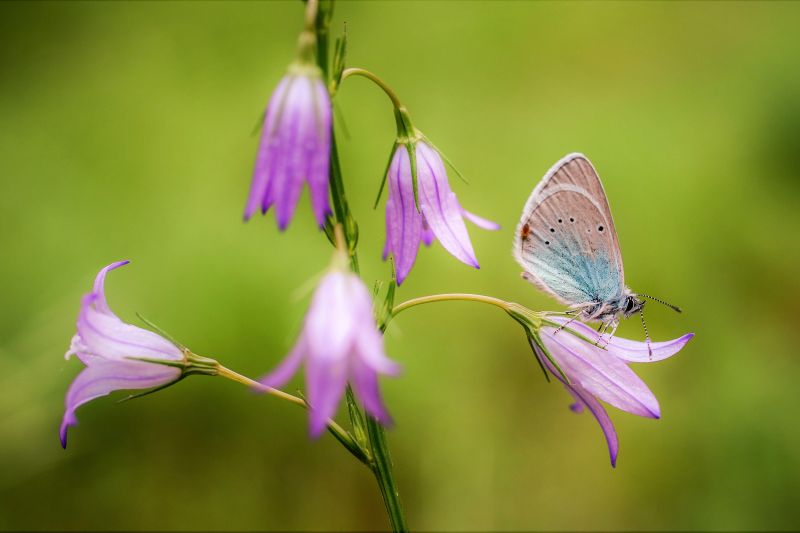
point(294, 149)
point(603, 373)
point(440, 216)
point(105, 345)
point(339, 343)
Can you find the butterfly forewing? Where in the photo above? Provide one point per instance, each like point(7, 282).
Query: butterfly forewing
point(566, 240)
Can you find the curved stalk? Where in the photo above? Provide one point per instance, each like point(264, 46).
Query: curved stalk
point(497, 302)
point(342, 435)
point(346, 73)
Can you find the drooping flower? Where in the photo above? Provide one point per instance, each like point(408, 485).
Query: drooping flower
point(106, 346)
point(339, 343)
point(440, 215)
point(294, 148)
point(602, 373)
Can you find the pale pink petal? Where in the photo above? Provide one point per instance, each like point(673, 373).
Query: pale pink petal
point(483, 223)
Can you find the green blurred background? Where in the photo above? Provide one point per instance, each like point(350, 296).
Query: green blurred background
point(126, 133)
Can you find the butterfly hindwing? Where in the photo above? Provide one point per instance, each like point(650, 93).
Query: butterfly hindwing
point(566, 240)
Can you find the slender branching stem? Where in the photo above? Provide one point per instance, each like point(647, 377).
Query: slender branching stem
point(376, 80)
point(340, 433)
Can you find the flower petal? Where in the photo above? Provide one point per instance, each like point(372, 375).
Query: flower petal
point(365, 385)
point(584, 399)
point(427, 234)
point(107, 336)
point(286, 369)
point(601, 373)
point(318, 149)
point(330, 326)
point(104, 376)
point(99, 287)
point(296, 122)
point(483, 223)
point(441, 208)
point(268, 152)
point(325, 382)
point(629, 350)
point(403, 221)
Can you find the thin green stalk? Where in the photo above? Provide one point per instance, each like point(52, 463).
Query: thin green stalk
point(502, 304)
point(342, 435)
point(382, 469)
point(380, 463)
point(376, 80)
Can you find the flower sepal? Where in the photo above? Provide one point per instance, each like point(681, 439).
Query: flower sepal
point(192, 364)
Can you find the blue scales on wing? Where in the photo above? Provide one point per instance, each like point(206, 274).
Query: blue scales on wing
point(566, 240)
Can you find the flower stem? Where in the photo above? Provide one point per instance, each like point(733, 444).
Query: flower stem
point(376, 80)
point(336, 430)
point(378, 454)
point(382, 469)
point(502, 304)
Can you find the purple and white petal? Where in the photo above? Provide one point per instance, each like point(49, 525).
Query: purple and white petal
point(629, 350)
point(99, 287)
point(107, 336)
point(365, 386)
point(268, 151)
point(589, 402)
point(330, 326)
point(403, 221)
point(325, 382)
point(440, 207)
point(601, 374)
point(483, 223)
point(104, 376)
point(585, 400)
point(286, 369)
point(318, 153)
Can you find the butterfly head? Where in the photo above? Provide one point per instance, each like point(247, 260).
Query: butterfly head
point(631, 304)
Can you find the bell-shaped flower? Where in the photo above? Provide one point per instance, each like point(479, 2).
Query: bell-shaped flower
point(600, 372)
point(339, 342)
point(440, 215)
point(295, 147)
point(109, 349)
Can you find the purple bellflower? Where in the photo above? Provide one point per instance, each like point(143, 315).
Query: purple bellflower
point(597, 373)
point(294, 149)
point(440, 215)
point(107, 346)
point(339, 343)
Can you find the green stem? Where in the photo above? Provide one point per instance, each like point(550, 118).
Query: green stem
point(376, 80)
point(502, 304)
point(382, 469)
point(379, 461)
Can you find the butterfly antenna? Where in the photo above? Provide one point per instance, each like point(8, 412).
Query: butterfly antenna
point(646, 334)
point(673, 307)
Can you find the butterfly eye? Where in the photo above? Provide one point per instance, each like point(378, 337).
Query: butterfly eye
point(628, 305)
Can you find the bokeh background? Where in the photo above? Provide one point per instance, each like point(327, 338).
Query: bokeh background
point(126, 131)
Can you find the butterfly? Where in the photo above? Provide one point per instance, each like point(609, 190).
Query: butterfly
point(567, 244)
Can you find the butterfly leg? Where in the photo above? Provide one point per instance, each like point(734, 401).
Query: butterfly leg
point(601, 330)
point(565, 324)
point(614, 326)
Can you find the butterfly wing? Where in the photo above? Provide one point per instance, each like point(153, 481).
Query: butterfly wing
point(566, 240)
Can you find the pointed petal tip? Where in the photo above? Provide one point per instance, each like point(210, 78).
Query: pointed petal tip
point(316, 426)
point(614, 460)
